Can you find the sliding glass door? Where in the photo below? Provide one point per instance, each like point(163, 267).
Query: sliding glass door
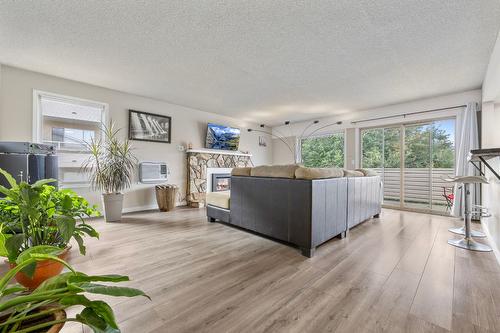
point(382, 152)
point(443, 163)
point(412, 159)
point(417, 166)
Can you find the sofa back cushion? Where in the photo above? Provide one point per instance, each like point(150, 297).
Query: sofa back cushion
point(241, 171)
point(318, 173)
point(353, 173)
point(275, 171)
point(368, 172)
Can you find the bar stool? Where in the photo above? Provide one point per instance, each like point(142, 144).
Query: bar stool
point(480, 211)
point(467, 242)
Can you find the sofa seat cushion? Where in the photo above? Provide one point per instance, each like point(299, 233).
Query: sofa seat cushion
point(219, 199)
point(368, 172)
point(274, 171)
point(353, 173)
point(241, 171)
point(318, 173)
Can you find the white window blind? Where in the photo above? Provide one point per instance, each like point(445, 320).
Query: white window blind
point(71, 110)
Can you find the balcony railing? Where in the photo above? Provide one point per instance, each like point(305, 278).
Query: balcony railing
point(423, 187)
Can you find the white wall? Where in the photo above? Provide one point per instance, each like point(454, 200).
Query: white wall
point(491, 139)
point(0, 92)
point(491, 84)
point(281, 153)
point(414, 106)
point(188, 125)
point(491, 192)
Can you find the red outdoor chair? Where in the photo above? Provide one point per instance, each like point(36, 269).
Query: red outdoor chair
point(448, 196)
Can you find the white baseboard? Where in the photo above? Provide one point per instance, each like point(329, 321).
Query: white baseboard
point(148, 207)
point(139, 208)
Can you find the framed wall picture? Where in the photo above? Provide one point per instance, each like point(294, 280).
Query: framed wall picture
point(262, 141)
point(144, 126)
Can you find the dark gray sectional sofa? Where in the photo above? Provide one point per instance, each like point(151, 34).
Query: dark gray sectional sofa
point(364, 199)
point(302, 212)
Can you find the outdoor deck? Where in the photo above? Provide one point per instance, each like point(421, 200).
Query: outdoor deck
point(423, 187)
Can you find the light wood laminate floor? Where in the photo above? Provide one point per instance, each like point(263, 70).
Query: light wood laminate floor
point(394, 274)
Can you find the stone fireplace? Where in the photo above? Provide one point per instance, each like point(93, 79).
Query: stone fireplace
point(199, 161)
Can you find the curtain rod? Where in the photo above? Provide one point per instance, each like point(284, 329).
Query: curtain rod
point(409, 114)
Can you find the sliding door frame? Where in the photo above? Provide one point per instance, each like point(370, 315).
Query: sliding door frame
point(402, 135)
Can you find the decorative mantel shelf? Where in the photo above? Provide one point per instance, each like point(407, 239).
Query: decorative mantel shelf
point(198, 160)
point(216, 151)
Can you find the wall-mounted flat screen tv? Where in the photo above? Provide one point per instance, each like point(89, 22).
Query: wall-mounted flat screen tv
point(222, 137)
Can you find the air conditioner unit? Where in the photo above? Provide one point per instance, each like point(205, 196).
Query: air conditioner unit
point(153, 172)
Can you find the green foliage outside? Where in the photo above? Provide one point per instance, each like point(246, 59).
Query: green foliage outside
point(381, 147)
point(324, 151)
point(443, 149)
point(372, 140)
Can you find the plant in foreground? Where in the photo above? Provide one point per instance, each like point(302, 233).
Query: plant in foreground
point(58, 293)
point(39, 214)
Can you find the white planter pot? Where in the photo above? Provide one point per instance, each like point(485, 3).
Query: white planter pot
point(113, 204)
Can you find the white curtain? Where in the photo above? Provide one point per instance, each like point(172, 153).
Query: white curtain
point(468, 139)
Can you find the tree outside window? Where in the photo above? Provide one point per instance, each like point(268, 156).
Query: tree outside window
point(323, 151)
point(424, 144)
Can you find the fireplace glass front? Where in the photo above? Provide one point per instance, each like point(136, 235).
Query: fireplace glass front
point(221, 182)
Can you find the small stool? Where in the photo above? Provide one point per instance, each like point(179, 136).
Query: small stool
point(467, 242)
point(478, 211)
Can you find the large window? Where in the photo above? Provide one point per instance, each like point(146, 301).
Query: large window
point(67, 123)
point(323, 151)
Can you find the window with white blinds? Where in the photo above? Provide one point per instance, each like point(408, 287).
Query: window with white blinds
point(67, 123)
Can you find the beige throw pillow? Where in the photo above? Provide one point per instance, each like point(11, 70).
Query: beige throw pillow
point(318, 173)
point(353, 173)
point(275, 171)
point(368, 172)
point(241, 171)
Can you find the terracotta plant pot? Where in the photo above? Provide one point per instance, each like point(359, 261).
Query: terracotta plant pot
point(57, 315)
point(44, 270)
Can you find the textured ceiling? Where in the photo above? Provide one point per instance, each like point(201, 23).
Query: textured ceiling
point(263, 61)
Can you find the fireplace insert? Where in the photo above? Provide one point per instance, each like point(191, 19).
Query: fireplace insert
point(221, 182)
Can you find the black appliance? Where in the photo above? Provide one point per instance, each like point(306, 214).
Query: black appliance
point(13, 147)
point(28, 161)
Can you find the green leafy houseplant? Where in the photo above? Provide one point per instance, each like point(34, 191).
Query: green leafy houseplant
point(35, 311)
point(110, 168)
point(38, 214)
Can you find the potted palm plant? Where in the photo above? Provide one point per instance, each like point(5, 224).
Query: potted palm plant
point(38, 214)
point(110, 167)
point(43, 309)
